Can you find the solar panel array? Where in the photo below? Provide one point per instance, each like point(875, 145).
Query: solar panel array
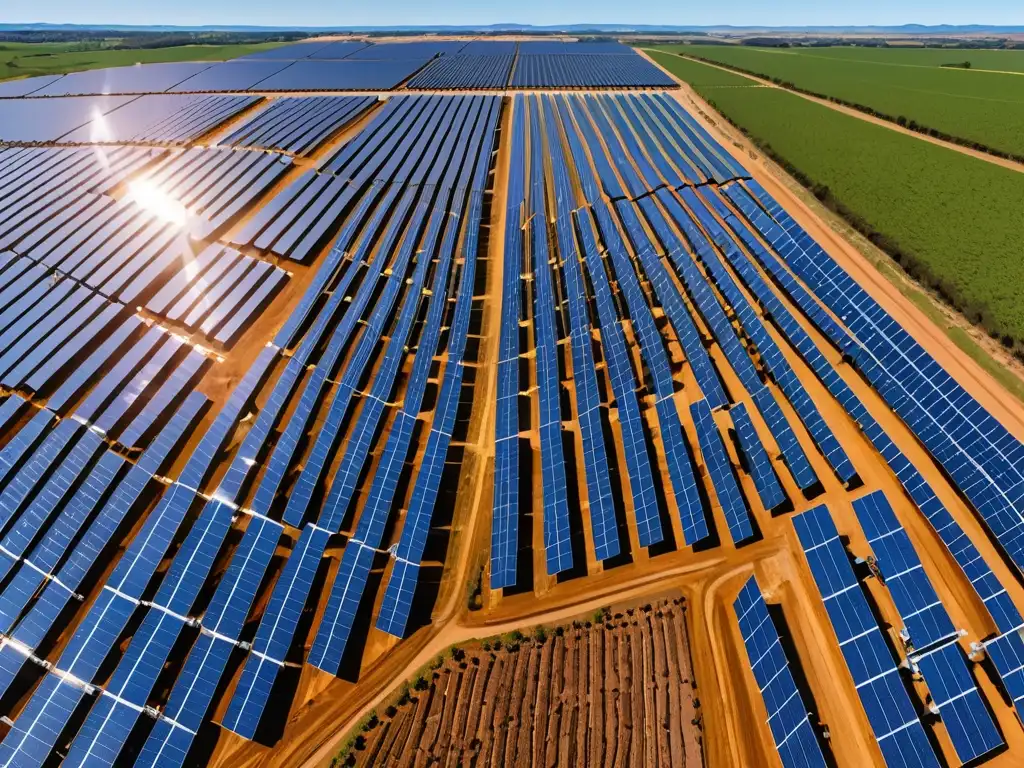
point(297, 125)
point(81, 243)
point(890, 712)
point(646, 283)
point(788, 719)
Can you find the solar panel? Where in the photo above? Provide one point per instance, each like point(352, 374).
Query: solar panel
point(778, 425)
point(145, 78)
point(505, 511)
point(989, 590)
point(788, 718)
point(298, 125)
point(49, 501)
point(588, 395)
point(722, 476)
point(18, 448)
point(638, 463)
point(275, 633)
point(912, 591)
point(464, 72)
point(891, 714)
point(759, 465)
point(555, 512)
point(770, 354)
point(347, 75)
point(960, 705)
point(1006, 653)
point(587, 71)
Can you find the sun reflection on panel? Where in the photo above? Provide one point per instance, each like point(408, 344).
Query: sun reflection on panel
point(152, 198)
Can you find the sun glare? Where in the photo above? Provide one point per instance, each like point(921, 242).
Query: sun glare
point(150, 197)
point(100, 129)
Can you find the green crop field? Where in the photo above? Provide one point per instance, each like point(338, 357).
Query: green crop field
point(954, 221)
point(696, 73)
point(985, 107)
point(29, 59)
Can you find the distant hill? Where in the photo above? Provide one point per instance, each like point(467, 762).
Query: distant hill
point(906, 29)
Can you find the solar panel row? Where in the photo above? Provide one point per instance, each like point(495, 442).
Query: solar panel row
point(679, 461)
point(771, 355)
point(110, 720)
point(555, 514)
point(349, 584)
point(788, 719)
point(395, 147)
point(758, 463)
point(41, 723)
point(927, 622)
point(465, 73)
point(505, 504)
point(720, 469)
point(600, 501)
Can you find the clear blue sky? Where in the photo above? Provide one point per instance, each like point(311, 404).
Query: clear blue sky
point(416, 12)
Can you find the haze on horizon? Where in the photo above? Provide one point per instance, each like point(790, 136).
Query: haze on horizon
point(538, 12)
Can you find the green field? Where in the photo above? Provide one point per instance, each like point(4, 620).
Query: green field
point(976, 106)
point(29, 59)
point(696, 73)
point(954, 221)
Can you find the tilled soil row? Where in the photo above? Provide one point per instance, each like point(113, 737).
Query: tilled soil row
point(594, 695)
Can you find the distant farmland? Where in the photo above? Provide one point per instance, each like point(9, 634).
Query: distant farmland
point(983, 107)
point(953, 221)
point(30, 59)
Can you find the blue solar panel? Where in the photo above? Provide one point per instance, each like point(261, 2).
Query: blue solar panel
point(652, 347)
point(348, 75)
point(555, 513)
point(49, 501)
point(298, 125)
point(10, 408)
point(275, 633)
point(587, 71)
point(588, 396)
point(32, 739)
point(792, 451)
point(759, 465)
point(34, 472)
point(638, 463)
point(347, 590)
point(398, 597)
point(892, 716)
point(505, 513)
point(788, 719)
point(194, 688)
point(18, 448)
point(1006, 653)
point(959, 702)
point(464, 72)
point(912, 591)
point(722, 476)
